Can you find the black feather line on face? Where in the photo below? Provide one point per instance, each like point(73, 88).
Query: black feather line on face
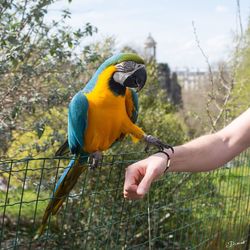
point(126, 66)
point(116, 88)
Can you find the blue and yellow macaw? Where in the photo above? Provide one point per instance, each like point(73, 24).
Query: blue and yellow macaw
point(102, 113)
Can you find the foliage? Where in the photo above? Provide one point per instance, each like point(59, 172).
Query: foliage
point(158, 118)
point(40, 66)
point(169, 82)
point(44, 137)
point(241, 92)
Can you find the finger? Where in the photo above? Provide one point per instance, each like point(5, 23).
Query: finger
point(132, 195)
point(145, 183)
point(131, 188)
point(133, 174)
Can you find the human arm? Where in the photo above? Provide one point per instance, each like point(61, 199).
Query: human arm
point(205, 153)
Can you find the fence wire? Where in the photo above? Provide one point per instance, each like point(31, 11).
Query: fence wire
point(182, 211)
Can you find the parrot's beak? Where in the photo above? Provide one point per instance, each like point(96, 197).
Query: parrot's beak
point(137, 79)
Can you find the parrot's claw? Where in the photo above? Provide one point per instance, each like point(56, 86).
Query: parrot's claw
point(94, 159)
point(150, 140)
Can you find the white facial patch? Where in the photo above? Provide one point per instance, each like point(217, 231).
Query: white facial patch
point(122, 71)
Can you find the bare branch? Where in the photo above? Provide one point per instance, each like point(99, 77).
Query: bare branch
point(239, 18)
point(204, 55)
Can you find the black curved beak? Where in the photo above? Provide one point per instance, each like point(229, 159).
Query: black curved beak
point(137, 79)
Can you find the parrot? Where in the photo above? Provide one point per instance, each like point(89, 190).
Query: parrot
point(99, 115)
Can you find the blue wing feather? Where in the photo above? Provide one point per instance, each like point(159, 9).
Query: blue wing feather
point(77, 122)
point(136, 106)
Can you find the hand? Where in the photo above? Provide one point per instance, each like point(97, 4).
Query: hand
point(140, 175)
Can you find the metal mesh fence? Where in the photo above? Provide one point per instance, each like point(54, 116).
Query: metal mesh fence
point(182, 211)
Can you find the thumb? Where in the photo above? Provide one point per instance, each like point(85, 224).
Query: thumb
point(145, 183)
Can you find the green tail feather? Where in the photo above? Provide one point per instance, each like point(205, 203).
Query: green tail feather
point(63, 187)
point(64, 149)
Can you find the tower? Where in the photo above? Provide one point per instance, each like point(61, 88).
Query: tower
point(150, 48)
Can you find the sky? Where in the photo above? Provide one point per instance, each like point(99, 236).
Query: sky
point(168, 21)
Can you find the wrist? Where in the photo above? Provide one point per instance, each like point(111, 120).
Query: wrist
point(167, 153)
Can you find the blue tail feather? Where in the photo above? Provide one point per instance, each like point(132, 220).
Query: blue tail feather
point(65, 172)
point(81, 159)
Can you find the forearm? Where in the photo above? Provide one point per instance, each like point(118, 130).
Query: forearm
point(198, 155)
point(212, 151)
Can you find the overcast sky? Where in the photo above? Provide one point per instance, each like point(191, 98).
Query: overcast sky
point(169, 22)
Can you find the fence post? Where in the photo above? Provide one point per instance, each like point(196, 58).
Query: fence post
point(248, 239)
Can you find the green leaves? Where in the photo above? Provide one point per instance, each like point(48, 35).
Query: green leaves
point(39, 60)
point(240, 97)
point(40, 127)
point(66, 14)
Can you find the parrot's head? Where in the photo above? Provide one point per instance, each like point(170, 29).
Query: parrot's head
point(122, 70)
point(130, 71)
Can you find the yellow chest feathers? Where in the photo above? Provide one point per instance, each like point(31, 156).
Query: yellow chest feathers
point(107, 115)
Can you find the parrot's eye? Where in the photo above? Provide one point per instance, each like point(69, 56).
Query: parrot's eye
point(126, 66)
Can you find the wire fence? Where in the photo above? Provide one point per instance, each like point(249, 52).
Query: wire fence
point(182, 211)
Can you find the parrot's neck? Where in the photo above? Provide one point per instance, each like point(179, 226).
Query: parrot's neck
point(105, 85)
point(105, 88)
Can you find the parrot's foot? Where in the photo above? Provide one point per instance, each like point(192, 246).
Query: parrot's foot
point(150, 140)
point(94, 159)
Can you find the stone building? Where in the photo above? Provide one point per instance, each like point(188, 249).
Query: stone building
point(192, 79)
